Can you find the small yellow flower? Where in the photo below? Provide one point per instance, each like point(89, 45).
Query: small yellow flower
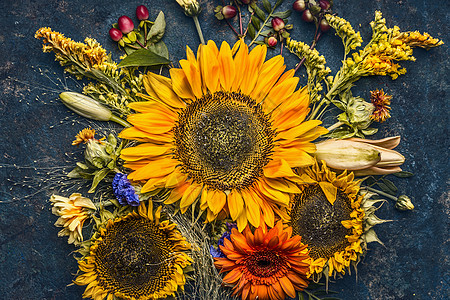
point(72, 212)
point(84, 136)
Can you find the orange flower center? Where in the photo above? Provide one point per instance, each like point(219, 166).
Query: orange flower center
point(265, 264)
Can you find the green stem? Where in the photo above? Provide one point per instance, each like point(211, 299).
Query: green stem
point(199, 30)
point(381, 193)
point(120, 121)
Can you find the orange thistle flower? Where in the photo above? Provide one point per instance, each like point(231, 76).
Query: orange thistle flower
point(84, 136)
point(381, 101)
point(264, 265)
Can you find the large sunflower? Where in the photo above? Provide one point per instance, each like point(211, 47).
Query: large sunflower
point(224, 130)
point(329, 217)
point(137, 256)
point(269, 264)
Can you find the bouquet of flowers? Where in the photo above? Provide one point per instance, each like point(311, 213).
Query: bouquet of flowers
point(223, 181)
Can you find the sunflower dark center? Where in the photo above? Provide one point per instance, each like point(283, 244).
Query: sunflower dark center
point(133, 258)
point(223, 140)
point(319, 223)
point(264, 264)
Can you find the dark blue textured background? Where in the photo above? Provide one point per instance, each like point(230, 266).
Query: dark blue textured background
point(36, 264)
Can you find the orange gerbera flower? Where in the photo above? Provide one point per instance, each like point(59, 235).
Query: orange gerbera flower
point(224, 131)
point(265, 265)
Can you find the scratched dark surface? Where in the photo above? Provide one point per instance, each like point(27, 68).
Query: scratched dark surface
point(36, 137)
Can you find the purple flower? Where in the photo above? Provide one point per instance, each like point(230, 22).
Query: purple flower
point(124, 191)
point(226, 235)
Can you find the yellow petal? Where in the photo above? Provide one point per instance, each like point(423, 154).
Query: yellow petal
point(270, 72)
point(255, 61)
point(163, 88)
point(193, 75)
point(209, 66)
point(235, 204)
point(190, 195)
point(180, 84)
point(227, 67)
point(329, 190)
point(216, 201)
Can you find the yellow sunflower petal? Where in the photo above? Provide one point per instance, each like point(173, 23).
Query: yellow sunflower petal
point(227, 66)
point(190, 195)
point(235, 204)
point(216, 201)
point(329, 190)
point(180, 84)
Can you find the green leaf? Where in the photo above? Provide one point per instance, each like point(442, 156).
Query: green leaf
point(97, 178)
point(260, 43)
point(112, 140)
point(403, 174)
point(82, 166)
point(75, 173)
point(267, 6)
point(251, 31)
point(266, 32)
point(385, 188)
point(282, 14)
point(390, 185)
point(159, 27)
point(369, 131)
point(256, 22)
point(339, 104)
point(260, 13)
point(279, 2)
point(160, 48)
point(143, 58)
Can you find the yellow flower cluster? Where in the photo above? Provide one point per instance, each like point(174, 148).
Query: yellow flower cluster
point(345, 31)
point(86, 55)
point(315, 66)
point(387, 46)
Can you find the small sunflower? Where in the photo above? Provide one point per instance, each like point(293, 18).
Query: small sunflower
point(269, 264)
point(137, 256)
point(381, 101)
point(224, 130)
point(329, 217)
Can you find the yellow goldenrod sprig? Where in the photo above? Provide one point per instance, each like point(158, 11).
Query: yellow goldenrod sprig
point(315, 66)
point(350, 38)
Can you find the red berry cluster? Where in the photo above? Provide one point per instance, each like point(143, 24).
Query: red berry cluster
point(126, 25)
point(313, 11)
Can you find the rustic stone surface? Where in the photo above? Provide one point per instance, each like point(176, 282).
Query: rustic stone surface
point(36, 136)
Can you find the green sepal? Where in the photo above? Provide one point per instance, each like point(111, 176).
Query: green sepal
point(99, 176)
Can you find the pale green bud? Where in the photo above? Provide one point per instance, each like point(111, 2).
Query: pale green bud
point(96, 154)
point(85, 106)
point(359, 112)
point(191, 7)
point(404, 203)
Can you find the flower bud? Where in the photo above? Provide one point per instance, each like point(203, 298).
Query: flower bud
point(125, 24)
point(229, 11)
point(191, 7)
point(115, 34)
point(324, 4)
point(299, 5)
point(359, 112)
point(404, 203)
point(307, 16)
point(277, 24)
point(364, 157)
point(324, 26)
point(142, 12)
point(85, 106)
point(96, 154)
point(272, 41)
